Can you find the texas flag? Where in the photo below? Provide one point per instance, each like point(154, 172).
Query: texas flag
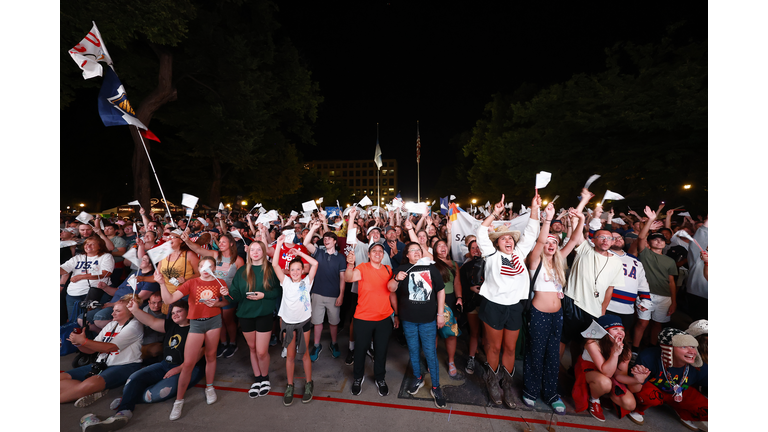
point(114, 108)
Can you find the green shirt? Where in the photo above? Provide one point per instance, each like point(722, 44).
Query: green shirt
point(658, 269)
point(254, 308)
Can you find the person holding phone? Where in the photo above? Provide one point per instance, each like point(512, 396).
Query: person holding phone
point(255, 288)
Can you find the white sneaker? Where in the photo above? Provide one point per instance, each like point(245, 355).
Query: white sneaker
point(116, 403)
point(210, 395)
point(91, 398)
point(176, 411)
point(636, 418)
point(284, 354)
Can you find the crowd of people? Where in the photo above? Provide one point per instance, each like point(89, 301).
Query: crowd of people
point(603, 286)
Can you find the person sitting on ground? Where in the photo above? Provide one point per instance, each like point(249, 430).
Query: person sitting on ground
point(119, 348)
point(157, 382)
point(87, 269)
point(295, 312)
point(676, 369)
point(603, 369)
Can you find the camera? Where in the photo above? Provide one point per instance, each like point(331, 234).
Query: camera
point(174, 281)
point(97, 368)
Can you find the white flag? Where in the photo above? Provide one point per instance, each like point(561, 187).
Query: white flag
point(591, 180)
point(309, 206)
point(290, 235)
point(542, 179)
point(377, 156)
point(84, 217)
point(221, 206)
point(453, 197)
point(188, 200)
point(320, 200)
point(157, 254)
point(89, 52)
point(594, 331)
point(611, 196)
point(132, 282)
point(134, 203)
point(132, 257)
point(365, 201)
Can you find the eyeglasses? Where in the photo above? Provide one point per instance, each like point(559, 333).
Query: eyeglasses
point(604, 238)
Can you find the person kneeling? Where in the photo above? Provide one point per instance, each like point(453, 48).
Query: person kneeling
point(603, 369)
point(119, 345)
point(676, 368)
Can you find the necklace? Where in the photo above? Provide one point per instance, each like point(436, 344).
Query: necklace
point(677, 388)
point(597, 294)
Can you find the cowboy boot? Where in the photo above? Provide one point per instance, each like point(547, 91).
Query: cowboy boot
point(492, 383)
point(506, 386)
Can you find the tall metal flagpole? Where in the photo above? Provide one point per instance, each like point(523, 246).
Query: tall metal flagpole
point(378, 172)
point(165, 201)
point(418, 163)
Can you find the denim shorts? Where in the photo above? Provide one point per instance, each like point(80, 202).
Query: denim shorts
point(114, 376)
point(202, 326)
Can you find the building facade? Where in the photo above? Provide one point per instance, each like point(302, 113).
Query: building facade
point(360, 176)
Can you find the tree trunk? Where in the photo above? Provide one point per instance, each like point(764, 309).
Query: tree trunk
point(214, 197)
point(164, 92)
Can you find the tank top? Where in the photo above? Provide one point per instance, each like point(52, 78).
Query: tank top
point(545, 282)
point(449, 285)
point(175, 269)
point(225, 269)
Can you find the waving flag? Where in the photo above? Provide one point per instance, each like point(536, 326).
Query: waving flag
point(89, 52)
point(453, 212)
point(444, 205)
point(114, 107)
point(377, 156)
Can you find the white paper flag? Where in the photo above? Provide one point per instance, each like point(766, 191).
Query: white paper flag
point(136, 202)
point(594, 331)
point(611, 196)
point(132, 257)
point(320, 200)
point(294, 213)
point(591, 180)
point(157, 254)
point(524, 210)
point(290, 235)
point(267, 217)
point(309, 206)
point(89, 52)
point(236, 234)
point(132, 282)
point(188, 200)
point(221, 206)
point(66, 243)
point(421, 262)
point(618, 221)
point(365, 201)
point(684, 214)
point(84, 217)
point(487, 204)
point(542, 179)
point(419, 208)
point(305, 219)
point(453, 197)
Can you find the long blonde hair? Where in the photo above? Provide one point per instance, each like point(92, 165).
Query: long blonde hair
point(559, 266)
point(266, 269)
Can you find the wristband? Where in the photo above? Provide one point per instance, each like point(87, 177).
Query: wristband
point(84, 342)
point(395, 314)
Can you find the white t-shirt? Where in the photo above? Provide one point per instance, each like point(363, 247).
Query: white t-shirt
point(592, 272)
point(296, 305)
point(128, 339)
point(84, 265)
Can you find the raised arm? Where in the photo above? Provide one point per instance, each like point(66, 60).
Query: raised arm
point(308, 238)
point(197, 249)
point(276, 258)
point(420, 224)
point(156, 324)
point(577, 220)
point(533, 258)
point(642, 237)
point(312, 264)
point(585, 197)
point(351, 274)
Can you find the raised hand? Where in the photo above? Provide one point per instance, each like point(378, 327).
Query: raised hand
point(498, 208)
point(549, 211)
point(650, 213)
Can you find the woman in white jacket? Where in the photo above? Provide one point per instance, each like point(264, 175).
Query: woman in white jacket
point(504, 293)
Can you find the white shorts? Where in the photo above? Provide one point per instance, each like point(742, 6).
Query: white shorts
point(658, 310)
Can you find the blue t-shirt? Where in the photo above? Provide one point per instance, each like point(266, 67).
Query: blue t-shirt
point(124, 288)
point(651, 358)
point(329, 268)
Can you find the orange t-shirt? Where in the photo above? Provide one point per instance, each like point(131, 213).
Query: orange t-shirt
point(198, 289)
point(372, 293)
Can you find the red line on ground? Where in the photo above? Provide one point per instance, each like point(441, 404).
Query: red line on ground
point(436, 410)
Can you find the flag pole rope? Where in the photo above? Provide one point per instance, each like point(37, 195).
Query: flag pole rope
point(165, 201)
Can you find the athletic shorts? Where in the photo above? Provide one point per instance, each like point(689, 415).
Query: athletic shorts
point(500, 317)
point(658, 310)
point(323, 304)
point(203, 325)
point(262, 324)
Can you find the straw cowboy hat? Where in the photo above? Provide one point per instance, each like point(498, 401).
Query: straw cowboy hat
point(503, 230)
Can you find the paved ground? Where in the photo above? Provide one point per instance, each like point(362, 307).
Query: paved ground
point(335, 408)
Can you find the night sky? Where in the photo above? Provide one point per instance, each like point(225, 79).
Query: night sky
point(393, 64)
point(398, 62)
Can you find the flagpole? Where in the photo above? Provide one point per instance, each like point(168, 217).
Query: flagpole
point(378, 172)
point(165, 201)
point(418, 164)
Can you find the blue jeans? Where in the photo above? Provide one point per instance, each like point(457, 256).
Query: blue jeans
point(423, 335)
point(148, 386)
point(71, 304)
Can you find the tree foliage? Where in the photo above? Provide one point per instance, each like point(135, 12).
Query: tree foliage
point(641, 124)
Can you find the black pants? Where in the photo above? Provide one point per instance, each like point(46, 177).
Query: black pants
point(379, 332)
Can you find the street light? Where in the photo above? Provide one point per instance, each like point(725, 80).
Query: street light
point(82, 205)
point(544, 202)
point(474, 201)
point(687, 186)
point(244, 203)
